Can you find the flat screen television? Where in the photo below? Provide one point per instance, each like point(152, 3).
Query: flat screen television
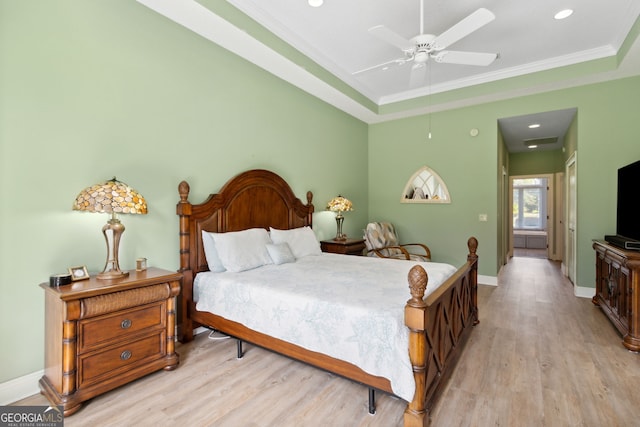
point(628, 211)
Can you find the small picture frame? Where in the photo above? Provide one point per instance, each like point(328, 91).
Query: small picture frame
point(78, 273)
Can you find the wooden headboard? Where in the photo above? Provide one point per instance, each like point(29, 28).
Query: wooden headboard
point(255, 198)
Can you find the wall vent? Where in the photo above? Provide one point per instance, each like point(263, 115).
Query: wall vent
point(540, 141)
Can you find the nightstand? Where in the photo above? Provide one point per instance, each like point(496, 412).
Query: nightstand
point(346, 247)
point(101, 334)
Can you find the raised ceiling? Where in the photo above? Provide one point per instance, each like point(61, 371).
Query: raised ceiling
point(524, 34)
point(332, 42)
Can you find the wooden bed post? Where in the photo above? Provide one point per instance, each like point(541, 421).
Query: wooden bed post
point(183, 209)
point(420, 349)
point(472, 258)
point(414, 317)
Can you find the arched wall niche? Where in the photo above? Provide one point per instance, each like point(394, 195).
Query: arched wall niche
point(425, 186)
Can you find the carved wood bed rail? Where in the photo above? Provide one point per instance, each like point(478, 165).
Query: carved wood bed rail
point(438, 324)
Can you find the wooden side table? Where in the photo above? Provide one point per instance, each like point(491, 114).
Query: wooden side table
point(101, 334)
point(345, 247)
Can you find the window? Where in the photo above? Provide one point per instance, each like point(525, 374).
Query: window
point(530, 204)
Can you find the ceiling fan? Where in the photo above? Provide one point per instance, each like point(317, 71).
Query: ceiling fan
point(423, 47)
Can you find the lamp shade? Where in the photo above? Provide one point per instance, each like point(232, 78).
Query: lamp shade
point(340, 204)
point(113, 197)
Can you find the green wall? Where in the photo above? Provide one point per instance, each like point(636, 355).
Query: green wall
point(536, 162)
point(467, 165)
point(93, 89)
point(603, 135)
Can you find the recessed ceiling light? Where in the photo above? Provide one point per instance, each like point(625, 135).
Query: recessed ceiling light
point(315, 3)
point(563, 14)
point(534, 125)
point(532, 146)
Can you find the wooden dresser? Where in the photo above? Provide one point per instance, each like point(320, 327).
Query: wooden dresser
point(101, 334)
point(618, 290)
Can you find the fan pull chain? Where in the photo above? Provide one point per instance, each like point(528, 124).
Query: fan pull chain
point(421, 16)
point(429, 98)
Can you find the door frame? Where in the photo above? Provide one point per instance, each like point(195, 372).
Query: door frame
point(551, 212)
point(571, 212)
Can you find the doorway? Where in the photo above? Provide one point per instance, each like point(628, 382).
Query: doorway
point(532, 215)
point(533, 146)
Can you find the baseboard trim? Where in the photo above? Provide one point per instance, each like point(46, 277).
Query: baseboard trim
point(487, 280)
point(583, 292)
point(19, 388)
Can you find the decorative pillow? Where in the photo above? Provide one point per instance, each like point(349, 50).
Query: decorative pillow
point(280, 253)
point(302, 241)
point(210, 253)
point(243, 250)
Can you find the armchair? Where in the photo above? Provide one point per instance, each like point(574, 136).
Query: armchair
point(382, 240)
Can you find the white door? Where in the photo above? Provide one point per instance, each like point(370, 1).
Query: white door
point(571, 222)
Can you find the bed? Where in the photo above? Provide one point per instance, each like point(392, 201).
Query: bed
point(436, 326)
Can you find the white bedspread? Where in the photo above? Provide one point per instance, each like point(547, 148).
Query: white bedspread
point(348, 307)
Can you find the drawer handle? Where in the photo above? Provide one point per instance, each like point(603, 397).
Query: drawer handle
point(125, 324)
point(125, 355)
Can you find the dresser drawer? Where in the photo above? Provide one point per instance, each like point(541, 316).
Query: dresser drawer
point(102, 330)
point(93, 367)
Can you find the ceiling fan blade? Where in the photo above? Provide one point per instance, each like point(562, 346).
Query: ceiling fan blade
point(385, 34)
point(384, 64)
point(464, 58)
point(418, 75)
point(468, 25)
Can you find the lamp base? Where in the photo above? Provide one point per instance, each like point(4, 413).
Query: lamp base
point(339, 221)
point(112, 231)
point(112, 275)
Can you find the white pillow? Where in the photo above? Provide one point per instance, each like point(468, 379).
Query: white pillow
point(210, 253)
point(302, 241)
point(280, 253)
point(243, 250)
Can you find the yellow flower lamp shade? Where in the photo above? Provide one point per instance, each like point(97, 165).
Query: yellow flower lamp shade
point(112, 197)
point(340, 204)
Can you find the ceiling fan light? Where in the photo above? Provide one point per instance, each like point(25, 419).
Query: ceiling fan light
point(421, 57)
point(563, 14)
point(315, 3)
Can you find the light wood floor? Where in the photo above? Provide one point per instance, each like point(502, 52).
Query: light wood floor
point(530, 253)
point(539, 357)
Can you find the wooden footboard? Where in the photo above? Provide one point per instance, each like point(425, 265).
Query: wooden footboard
point(438, 329)
point(438, 324)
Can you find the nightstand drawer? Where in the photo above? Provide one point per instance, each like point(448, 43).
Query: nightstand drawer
point(92, 367)
point(346, 247)
point(101, 330)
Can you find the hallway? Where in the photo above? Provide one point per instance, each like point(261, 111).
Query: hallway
point(541, 357)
